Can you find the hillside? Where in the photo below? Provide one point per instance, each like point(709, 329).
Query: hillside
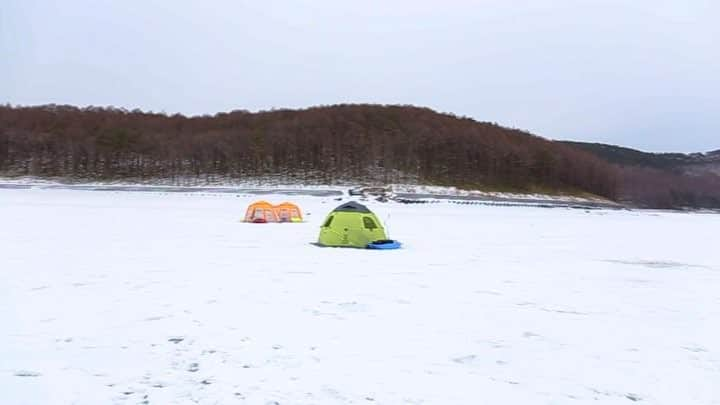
point(662, 179)
point(679, 162)
point(370, 144)
point(354, 143)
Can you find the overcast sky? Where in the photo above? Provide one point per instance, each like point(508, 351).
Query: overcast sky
point(641, 73)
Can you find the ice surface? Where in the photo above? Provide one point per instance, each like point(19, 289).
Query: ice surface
point(166, 298)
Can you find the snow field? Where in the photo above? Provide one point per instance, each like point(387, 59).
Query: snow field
point(166, 298)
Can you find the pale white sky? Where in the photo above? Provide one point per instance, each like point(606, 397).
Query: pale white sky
point(641, 73)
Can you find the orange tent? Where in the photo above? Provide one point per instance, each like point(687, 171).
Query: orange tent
point(288, 212)
point(260, 212)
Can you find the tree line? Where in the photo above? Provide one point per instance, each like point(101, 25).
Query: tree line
point(663, 180)
point(655, 188)
point(329, 144)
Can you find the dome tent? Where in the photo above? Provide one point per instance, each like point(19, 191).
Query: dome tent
point(288, 212)
point(351, 225)
point(261, 212)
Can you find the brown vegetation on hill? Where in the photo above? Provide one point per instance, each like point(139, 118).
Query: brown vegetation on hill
point(368, 143)
point(664, 180)
point(655, 188)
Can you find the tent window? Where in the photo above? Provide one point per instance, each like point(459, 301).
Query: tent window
point(369, 223)
point(329, 221)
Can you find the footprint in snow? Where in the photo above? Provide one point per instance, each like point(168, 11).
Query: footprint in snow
point(488, 292)
point(465, 359)
point(26, 373)
point(319, 313)
point(155, 318)
point(629, 395)
point(658, 264)
point(352, 306)
point(564, 311)
point(695, 349)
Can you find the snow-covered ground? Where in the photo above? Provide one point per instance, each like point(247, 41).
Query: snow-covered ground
point(266, 184)
point(166, 298)
point(454, 191)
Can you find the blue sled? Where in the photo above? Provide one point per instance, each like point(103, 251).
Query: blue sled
point(384, 244)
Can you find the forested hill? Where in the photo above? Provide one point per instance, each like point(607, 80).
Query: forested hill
point(342, 143)
point(666, 161)
point(364, 143)
point(662, 179)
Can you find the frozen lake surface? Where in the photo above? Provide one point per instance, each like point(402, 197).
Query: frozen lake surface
point(111, 297)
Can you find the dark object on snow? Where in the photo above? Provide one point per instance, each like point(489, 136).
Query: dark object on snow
point(384, 244)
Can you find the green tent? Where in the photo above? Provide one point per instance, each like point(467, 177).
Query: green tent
point(351, 225)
